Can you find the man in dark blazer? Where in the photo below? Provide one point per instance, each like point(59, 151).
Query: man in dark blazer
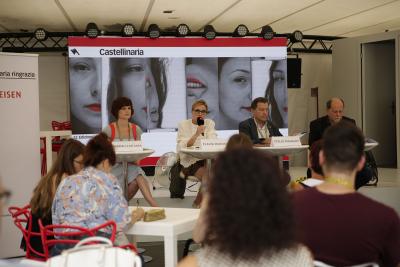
point(259, 128)
point(334, 110)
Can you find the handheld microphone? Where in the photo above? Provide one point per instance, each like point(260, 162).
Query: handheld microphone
point(200, 122)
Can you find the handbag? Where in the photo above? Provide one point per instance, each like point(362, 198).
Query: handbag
point(95, 255)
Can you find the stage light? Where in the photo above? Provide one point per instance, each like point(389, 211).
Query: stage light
point(153, 31)
point(92, 31)
point(128, 30)
point(209, 32)
point(241, 31)
point(267, 32)
point(296, 36)
point(40, 34)
point(182, 30)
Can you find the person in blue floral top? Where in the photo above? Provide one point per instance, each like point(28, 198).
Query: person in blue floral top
point(93, 196)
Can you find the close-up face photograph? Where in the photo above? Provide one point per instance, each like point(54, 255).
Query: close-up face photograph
point(134, 79)
point(85, 94)
point(277, 93)
point(235, 88)
point(202, 83)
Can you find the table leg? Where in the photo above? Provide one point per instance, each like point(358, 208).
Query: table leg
point(208, 167)
point(125, 175)
point(170, 251)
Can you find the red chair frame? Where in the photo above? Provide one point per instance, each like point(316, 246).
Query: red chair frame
point(59, 126)
point(22, 218)
point(71, 234)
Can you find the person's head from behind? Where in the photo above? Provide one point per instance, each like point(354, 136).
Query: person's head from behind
point(235, 87)
point(315, 167)
point(260, 109)
point(202, 83)
point(4, 197)
point(249, 210)
point(134, 79)
point(99, 153)
point(334, 109)
point(342, 149)
point(199, 110)
point(122, 108)
point(69, 161)
point(85, 92)
point(277, 93)
point(239, 140)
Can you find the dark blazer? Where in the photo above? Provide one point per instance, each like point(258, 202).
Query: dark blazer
point(249, 128)
point(318, 127)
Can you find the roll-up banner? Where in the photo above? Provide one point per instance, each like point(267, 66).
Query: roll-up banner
point(164, 76)
point(19, 139)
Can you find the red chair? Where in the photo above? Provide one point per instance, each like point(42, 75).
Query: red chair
point(23, 220)
point(43, 170)
point(57, 142)
point(70, 235)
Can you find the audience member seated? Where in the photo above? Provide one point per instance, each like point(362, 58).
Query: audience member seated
point(4, 197)
point(190, 134)
point(259, 128)
point(69, 161)
point(239, 140)
point(334, 114)
point(317, 175)
point(93, 196)
point(247, 217)
point(339, 225)
point(123, 129)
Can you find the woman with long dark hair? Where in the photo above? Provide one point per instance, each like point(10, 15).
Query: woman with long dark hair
point(246, 218)
point(69, 161)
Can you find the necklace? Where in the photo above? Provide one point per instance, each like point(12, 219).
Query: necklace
point(119, 132)
point(340, 181)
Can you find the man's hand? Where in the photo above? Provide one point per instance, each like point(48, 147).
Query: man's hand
point(266, 141)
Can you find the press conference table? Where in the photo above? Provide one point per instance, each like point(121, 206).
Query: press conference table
point(210, 154)
point(177, 221)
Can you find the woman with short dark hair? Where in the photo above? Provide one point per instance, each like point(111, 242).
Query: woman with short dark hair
point(247, 217)
point(123, 129)
point(92, 196)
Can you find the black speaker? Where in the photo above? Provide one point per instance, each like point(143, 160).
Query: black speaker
point(294, 72)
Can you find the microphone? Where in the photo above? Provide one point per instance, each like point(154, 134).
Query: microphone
point(200, 122)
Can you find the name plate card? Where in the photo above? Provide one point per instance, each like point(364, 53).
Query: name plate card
point(127, 146)
point(213, 144)
point(285, 141)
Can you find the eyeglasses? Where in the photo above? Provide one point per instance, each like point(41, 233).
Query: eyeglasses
point(5, 197)
point(198, 111)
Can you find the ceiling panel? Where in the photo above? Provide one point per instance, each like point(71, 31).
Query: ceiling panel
point(360, 21)
point(390, 25)
point(256, 13)
point(106, 14)
point(325, 13)
point(191, 12)
point(319, 17)
point(30, 15)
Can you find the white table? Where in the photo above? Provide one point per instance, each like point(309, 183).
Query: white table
point(177, 221)
point(131, 156)
point(281, 151)
point(49, 135)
